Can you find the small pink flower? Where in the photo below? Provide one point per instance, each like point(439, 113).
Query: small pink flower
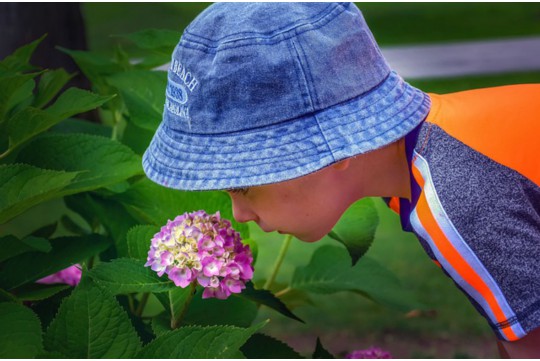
point(180, 276)
point(70, 276)
point(202, 248)
point(372, 352)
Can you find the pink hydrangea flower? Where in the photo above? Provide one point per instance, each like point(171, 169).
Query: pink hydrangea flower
point(70, 276)
point(202, 248)
point(372, 352)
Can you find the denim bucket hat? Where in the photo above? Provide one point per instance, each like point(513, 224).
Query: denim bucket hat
point(261, 93)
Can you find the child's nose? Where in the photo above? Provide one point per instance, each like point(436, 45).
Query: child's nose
point(241, 212)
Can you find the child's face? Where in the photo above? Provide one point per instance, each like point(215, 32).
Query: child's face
point(307, 207)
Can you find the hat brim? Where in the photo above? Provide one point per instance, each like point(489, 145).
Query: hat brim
point(287, 150)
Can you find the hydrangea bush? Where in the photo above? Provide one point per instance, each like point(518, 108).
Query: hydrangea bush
point(188, 289)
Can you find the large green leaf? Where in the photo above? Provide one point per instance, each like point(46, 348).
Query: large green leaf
point(175, 302)
point(261, 346)
point(155, 204)
point(111, 214)
point(330, 271)
point(234, 311)
point(14, 89)
point(199, 342)
point(19, 60)
point(356, 228)
point(95, 66)
point(12, 246)
point(144, 95)
point(50, 83)
point(154, 39)
point(74, 101)
point(138, 240)
point(267, 298)
point(126, 275)
point(101, 161)
point(91, 324)
point(31, 121)
point(23, 186)
point(20, 332)
point(137, 138)
point(65, 252)
point(76, 126)
point(38, 292)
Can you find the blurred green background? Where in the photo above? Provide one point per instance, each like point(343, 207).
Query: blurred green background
point(346, 321)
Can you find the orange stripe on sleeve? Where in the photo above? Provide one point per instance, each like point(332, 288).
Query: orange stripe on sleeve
point(454, 258)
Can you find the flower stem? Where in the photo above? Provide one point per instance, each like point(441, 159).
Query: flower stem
point(142, 304)
point(279, 260)
point(176, 321)
point(283, 292)
point(131, 304)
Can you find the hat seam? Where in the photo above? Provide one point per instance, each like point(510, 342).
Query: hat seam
point(310, 24)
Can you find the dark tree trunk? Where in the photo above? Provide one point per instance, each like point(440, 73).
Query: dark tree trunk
point(22, 23)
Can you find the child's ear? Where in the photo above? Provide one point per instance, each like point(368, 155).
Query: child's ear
point(342, 165)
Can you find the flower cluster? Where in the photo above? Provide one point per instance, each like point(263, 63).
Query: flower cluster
point(70, 276)
point(372, 352)
point(202, 248)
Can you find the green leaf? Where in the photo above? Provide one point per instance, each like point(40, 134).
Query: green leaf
point(66, 251)
point(143, 92)
point(95, 66)
point(91, 324)
point(330, 271)
point(6, 296)
point(38, 292)
point(101, 161)
point(199, 342)
point(14, 89)
point(234, 311)
point(320, 351)
point(11, 246)
point(161, 324)
point(23, 186)
point(74, 101)
point(126, 275)
point(72, 125)
point(19, 60)
point(154, 39)
point(137, 138)
point(261, 346)
point(268, 299)
point(175, 301)
point(138, 240)
point(111, 214)
point(356, 228)
point(31, 121)
point(20, 332)
point(50, 84)
point(155, 204)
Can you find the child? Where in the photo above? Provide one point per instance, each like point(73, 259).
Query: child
point(292, 108)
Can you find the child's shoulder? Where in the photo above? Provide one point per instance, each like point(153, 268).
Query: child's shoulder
point(502, 123)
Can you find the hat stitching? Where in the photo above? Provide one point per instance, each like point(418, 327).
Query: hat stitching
point(389, 119)
point(256, 130)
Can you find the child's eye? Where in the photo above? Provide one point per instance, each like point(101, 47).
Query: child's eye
point(238, 190)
